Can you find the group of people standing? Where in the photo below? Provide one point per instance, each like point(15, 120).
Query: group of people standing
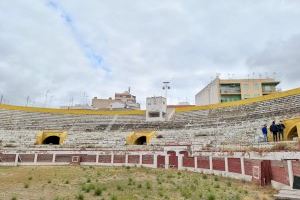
point(276, 130)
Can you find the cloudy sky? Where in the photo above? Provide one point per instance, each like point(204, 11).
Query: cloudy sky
point(54, 51)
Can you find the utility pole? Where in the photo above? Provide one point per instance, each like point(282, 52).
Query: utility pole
point(27, 100)
point(1, 98)
point(166, 87)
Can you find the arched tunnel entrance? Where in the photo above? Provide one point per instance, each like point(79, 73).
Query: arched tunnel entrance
point(51, 140)
point(293, 133)
point(141, 140)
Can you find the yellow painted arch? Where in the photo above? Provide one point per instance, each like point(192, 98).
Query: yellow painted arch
point(292, 127)
point(43, 135)
point(132, 138)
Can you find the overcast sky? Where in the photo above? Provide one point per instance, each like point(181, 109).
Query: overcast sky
point(74, 49)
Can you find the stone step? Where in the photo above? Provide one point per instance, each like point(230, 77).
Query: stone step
point(286, 194)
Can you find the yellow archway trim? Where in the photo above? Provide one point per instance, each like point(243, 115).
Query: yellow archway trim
point(72, 111)
point(42, 135)
point(132, 137)
point(241, 102)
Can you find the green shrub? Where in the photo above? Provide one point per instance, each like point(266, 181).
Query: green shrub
point(119, 187)
point(14, 198)
point(80, 197)
point(228, 184)
point(98, 191)
point(67, 182)
point(216, 178)
point(26, 185)
point(204, 176)
point(30, 178)
point(148, 185)
point(113, 197)
point(211, 197)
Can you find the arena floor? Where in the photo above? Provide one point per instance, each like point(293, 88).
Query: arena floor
point(123, 183)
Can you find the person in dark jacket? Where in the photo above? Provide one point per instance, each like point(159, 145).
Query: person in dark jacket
point(281, 128)
point(265, 132)
point(274, 130)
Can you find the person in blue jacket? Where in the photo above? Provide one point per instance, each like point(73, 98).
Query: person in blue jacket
point(265, 132)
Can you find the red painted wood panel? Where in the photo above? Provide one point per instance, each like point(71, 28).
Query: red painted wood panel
point(7, 157)
point(104, 159)
point(218, 164)
point(147, 159)
point(88, 158)
point(44, 157)
point(119, 158)
point(173, 161)
point(280, 171)
point(234, 165)
point(188, 162)
point(134, 159)
point(63, 158)
point(296, 168)
point(160, 161)
point(203, 162)
point(26, 157)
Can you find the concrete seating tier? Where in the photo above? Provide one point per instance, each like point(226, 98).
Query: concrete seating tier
point(237, 124)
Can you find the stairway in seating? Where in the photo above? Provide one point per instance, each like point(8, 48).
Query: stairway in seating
point(288, 194)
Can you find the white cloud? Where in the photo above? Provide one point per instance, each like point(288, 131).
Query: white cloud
point(142, 43)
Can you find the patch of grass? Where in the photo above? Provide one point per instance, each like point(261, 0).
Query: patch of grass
point(114, 198)
point(30, 178)
point(148, 185)
point(98, 191)
point(79, 197)
point(26, 185)
point(67, 182)
point(211, 196)
point(115, 181)
point(119, 187)
point(228, 184)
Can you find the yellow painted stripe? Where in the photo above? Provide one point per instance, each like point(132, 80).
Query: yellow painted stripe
point(241, 102)
point(72, 112)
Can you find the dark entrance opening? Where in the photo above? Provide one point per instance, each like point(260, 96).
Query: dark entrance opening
point(293, 133)
point(141, 141)
point(51, 140)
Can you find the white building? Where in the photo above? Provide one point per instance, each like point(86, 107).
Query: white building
point(156, 108)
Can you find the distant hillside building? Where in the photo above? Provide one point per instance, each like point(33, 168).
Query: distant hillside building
point(123, 100)
point(226, 90)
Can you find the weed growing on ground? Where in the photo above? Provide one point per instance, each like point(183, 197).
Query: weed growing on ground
point(79, 197)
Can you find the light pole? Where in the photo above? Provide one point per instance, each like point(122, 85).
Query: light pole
point(166, 87)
